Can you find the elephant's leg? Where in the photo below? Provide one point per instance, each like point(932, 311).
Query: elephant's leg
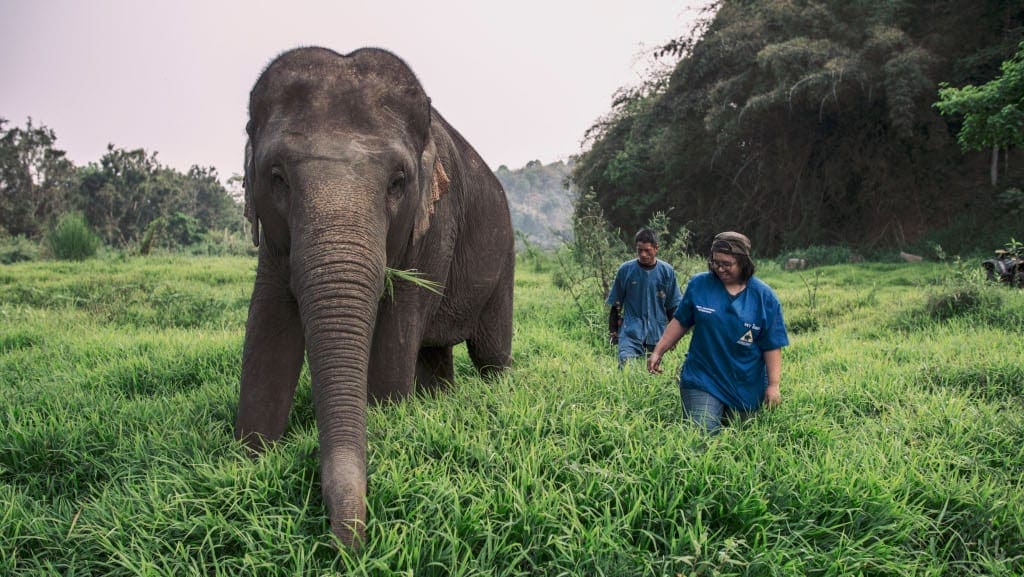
point(435, 370)
point(271, 360)
point(393, 355)
point(490, 347)
point(390, 374)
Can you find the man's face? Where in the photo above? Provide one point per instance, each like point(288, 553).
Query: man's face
point(646, 253)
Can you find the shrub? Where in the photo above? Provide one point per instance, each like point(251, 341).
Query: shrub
point(803, 323)
point(223, 242)
point(17, 249)
point(588, 263)
point(73, 239)
point(961, 301)
point(171, 232)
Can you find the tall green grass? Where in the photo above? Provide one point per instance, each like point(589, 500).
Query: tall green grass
point(898, 450)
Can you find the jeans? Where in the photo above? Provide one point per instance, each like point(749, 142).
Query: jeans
point(705, 410)
point(631, 349)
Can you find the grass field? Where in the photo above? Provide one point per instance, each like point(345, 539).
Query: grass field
point(898, 450)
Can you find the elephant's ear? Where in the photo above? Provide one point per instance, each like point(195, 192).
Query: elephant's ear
point(250, 202)
point(436, 183)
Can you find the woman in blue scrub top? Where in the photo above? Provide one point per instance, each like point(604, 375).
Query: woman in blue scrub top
point(734, 362)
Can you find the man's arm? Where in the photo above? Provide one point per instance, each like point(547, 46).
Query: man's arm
point(674, 297)
point(615, 297)
point(614, 322)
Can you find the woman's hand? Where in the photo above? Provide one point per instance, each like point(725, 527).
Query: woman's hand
point(654, 363)
point(772, 396)
point(673, 332)
point(773, 366)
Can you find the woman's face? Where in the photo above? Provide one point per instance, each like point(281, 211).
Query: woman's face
point(726, 267)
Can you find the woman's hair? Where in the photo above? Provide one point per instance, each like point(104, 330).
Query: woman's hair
point(747, 266)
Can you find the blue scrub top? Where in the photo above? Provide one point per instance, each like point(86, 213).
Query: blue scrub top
point(646, 297)
point(730, 335)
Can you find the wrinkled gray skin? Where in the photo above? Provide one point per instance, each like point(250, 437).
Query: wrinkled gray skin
point(350, 170)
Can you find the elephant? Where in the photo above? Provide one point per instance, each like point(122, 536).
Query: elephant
point(349, 172)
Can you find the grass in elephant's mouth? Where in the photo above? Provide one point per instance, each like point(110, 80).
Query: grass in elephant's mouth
point(392, 275)
point(899, 448)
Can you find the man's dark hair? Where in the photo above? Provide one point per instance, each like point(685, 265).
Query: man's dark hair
point(646, 235)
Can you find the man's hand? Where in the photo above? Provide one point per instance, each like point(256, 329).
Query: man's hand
point(772, 396)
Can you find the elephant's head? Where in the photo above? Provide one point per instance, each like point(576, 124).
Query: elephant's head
point(341, 179)
point(329, 134)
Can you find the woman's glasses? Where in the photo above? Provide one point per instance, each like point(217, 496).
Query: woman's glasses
point(721, 264)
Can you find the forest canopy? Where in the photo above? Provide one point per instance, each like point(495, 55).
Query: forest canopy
point(813, 122)
point(128, 197)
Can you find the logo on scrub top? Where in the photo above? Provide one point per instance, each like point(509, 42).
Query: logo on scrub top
point(748, 337)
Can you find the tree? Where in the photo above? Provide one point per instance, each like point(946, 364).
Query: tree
point(214, 206)
point(993, 113)
point(129, 191)
point(120, 196)
point(35, 180)
point(801, 122)
point(115, 194)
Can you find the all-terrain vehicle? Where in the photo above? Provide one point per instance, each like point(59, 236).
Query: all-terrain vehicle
point(1007, 266)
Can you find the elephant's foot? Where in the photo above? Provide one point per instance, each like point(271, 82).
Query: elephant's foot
point(488, 357)
point(435, 369)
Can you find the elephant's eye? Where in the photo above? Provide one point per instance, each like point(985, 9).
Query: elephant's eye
point(397, 184)
point(278, 182)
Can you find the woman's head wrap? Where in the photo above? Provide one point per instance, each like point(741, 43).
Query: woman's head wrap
point(732, 243)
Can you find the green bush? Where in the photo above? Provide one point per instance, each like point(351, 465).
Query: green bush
point(73, 239)
point(223, 243)
point(959, 302)
point(17, 249)
point(587, 265)
point(171, 232)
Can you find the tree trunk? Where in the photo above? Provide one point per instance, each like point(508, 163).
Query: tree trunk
point(994, 169)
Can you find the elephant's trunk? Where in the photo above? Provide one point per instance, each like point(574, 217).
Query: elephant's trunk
point(338, 280)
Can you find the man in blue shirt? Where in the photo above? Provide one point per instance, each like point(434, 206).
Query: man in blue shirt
point(734, 363)
point(646, 294)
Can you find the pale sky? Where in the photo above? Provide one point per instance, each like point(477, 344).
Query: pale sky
point(521, 80)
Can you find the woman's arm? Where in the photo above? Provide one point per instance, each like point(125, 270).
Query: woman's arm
point(773, 364)
point(673, 332)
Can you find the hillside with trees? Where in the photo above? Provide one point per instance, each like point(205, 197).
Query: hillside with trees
point(540, 200)
point(814, 122)
point(134, 203)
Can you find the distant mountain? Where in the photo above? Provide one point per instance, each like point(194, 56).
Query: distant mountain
point(540, 200)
